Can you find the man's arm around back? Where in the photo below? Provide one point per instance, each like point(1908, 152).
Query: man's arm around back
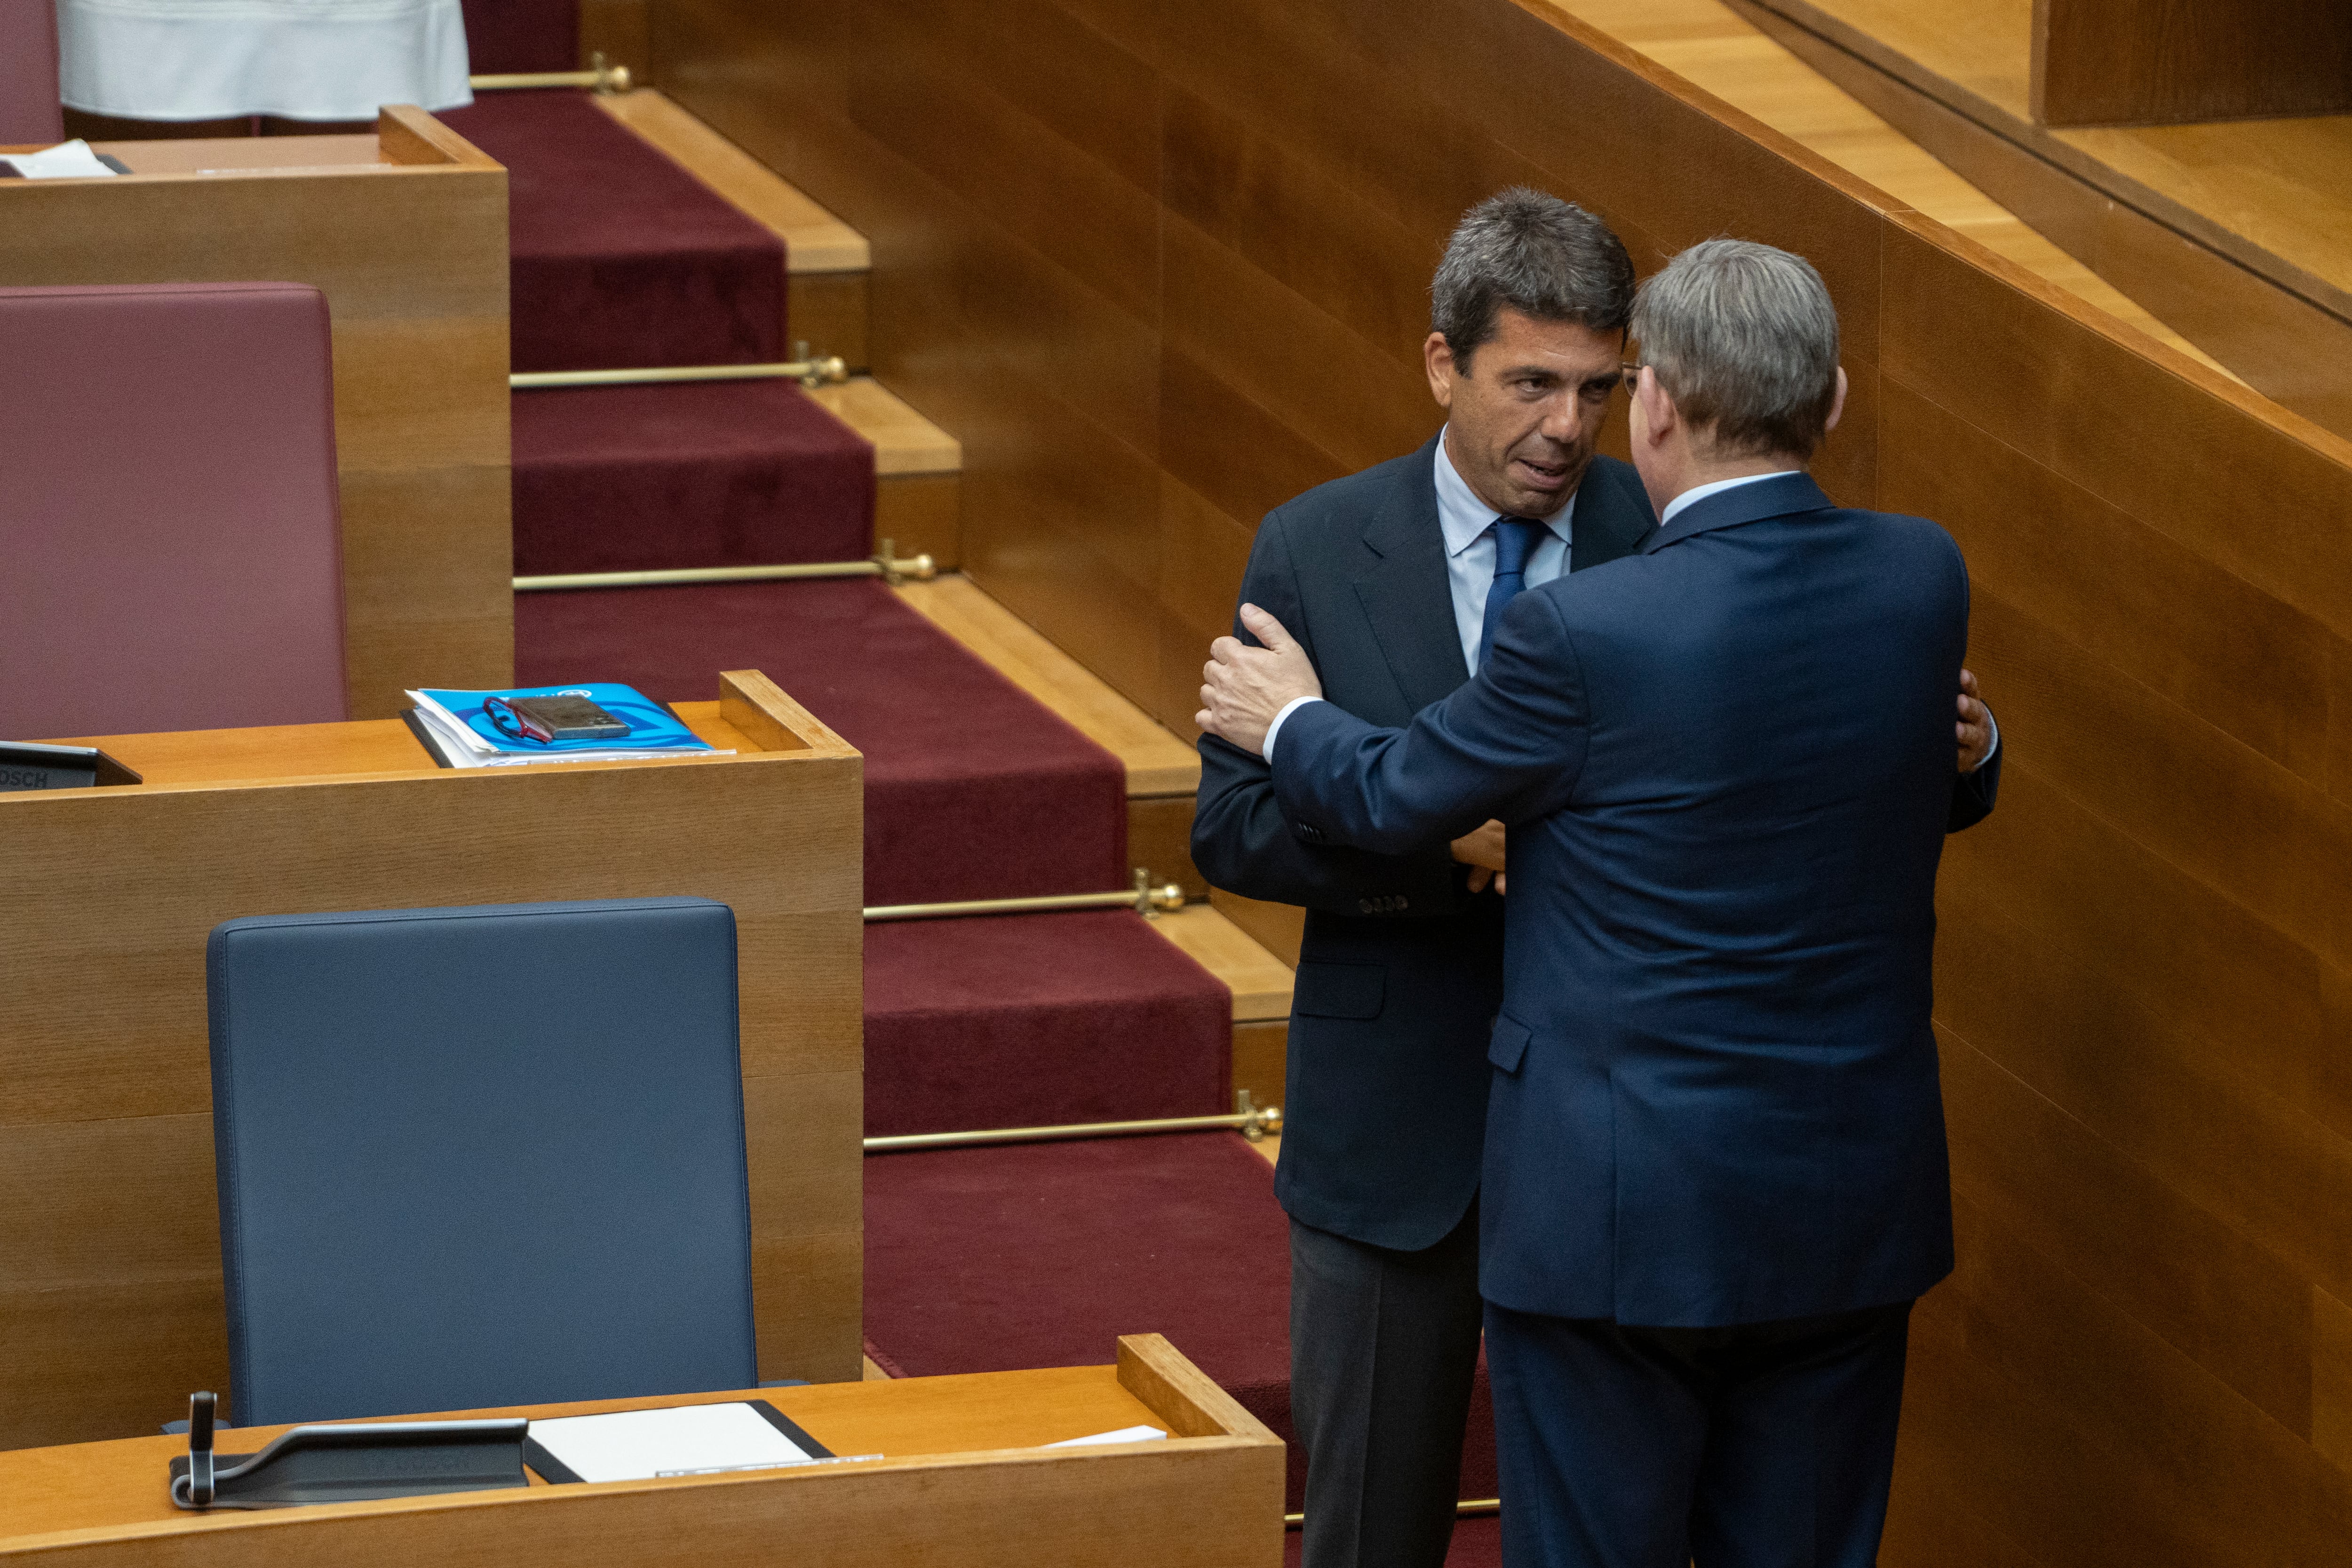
point(1240, 841)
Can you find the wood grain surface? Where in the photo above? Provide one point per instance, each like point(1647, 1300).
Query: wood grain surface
point(2172, 62)
point(958, 1478)
point(2272, 196)
point(409, 244)
point(111, 1301)
point(2272, 331)
point(1160, 268)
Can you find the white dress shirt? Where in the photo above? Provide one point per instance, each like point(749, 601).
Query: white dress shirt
point(1697, 493)
point(1467, 525)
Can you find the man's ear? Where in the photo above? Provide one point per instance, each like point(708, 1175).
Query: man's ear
point(1437, 359)
point(1659, 417)
point(1837, 404)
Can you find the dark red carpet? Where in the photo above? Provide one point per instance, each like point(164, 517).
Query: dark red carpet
point(974, 789)
point(1023, 1020)
point(619, 256)
point(1043, 1254)
point(745, 473)
point(510, 37)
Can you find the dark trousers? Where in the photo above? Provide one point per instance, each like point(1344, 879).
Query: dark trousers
point(1762, 1446)
point(1383, 1347)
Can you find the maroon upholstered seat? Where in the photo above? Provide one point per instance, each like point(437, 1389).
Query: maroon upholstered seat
point(28, 74)
point(170, 545)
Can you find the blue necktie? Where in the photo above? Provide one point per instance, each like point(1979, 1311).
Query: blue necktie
point(1515, 540)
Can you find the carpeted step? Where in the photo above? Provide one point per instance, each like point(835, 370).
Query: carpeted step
point(974, 789)
point(511, 37)
point(1038, 1020)
point(619, 256)
point(1042, 1254)
point(743, 473)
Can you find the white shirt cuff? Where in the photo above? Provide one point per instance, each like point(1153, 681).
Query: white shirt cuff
point(1274, 728)
point(1991, 751)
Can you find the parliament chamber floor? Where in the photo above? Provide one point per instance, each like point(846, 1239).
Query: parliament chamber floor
point(936, 364)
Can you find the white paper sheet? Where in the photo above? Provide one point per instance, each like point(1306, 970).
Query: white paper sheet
point(1124, 1434)
point(66, 160)
point(637, 1444)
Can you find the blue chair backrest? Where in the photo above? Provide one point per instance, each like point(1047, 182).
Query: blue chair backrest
point(480, 1156)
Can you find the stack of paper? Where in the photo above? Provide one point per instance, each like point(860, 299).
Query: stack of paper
point(454, 724)
point(683, 1440)
point(66, 160)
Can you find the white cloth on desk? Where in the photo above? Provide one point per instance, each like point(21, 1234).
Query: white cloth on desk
point(304, 60)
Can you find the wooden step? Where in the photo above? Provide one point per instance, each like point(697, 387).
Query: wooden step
point(1708, 43)
point(1163, 773)
point(917, 504)
point(826, 261)
point(1158, 763)
point(1260, 983)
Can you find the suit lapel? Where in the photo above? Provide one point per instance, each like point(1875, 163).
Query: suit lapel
point(1612, 516)
point(1404, 591)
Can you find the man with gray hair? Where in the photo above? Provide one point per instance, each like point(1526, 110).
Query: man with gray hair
point(1715, 1174)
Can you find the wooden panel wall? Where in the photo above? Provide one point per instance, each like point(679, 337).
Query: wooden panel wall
point(1160, 267)
point(2170, 62)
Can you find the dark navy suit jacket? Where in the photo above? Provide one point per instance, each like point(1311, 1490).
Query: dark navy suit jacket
point(1726, 766)
point(1401, 969)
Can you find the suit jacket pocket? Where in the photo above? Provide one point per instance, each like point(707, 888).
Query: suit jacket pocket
point(1338, 990)
point(1508, 1043)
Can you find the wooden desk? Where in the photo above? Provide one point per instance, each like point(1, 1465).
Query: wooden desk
point(961, 1483)
point(406, 234)
point(111, 1308)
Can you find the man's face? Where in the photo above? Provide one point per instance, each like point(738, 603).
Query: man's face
point(1527, 413)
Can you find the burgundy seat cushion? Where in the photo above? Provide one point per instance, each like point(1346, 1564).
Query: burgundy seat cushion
point(620, 258)
point(29, 114)
point(1045, 1019)
point(974, 789)
point(723, 473)
point(168, 521)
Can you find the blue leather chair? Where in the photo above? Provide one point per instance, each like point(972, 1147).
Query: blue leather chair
point(480, 1156)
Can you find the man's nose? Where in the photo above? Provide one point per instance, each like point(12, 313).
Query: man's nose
point(1563, 419)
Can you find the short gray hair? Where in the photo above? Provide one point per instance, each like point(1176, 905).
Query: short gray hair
point(1744, 339)
point(1542, 256)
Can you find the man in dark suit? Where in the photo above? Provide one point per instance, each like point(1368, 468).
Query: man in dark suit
point(1715, 1171)
point(1387, 573)
point(1387, 578)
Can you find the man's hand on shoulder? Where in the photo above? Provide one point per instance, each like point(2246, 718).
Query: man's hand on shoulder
point(1245, 687)
point(1481, 849)
point(1975, 729)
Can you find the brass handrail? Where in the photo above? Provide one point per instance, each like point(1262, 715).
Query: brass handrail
point(822, 370)
point(1144, 899)
point(1252, 1121)
point(602, 77)
point(1468, 1505)
point(894, 568)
